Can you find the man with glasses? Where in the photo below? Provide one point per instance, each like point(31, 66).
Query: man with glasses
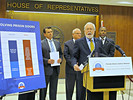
point(71, 76)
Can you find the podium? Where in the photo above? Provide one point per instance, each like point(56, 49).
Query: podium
point(103, 83)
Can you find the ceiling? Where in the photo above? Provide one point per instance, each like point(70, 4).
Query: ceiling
point(102, 2)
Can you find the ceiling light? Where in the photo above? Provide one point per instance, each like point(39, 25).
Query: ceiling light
point(124, 2)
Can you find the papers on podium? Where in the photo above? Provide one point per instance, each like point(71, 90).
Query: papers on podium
point(55, 56)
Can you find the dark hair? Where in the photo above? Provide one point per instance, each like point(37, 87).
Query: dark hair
point(44, 30)
point(101, 28)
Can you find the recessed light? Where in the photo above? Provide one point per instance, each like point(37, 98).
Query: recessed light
point(124, 2)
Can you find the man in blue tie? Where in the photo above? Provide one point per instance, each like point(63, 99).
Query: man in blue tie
point(51, 72)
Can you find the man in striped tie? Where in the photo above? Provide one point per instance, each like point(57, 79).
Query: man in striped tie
point(51, 72)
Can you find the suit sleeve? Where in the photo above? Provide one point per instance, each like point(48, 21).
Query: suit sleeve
point(45, 60)
point(112, 49)
point(60, 52)
point(76, 52)
point(67, 55)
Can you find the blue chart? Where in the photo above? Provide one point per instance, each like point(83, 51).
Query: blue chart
point(21, 62)
point(13, 53)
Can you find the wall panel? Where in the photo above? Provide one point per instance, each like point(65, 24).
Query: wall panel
point(65, 22)
point(120, 20)
point(2, 8)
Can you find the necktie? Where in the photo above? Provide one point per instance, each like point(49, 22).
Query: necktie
point(51, 45)
point(103, 41)
point(91, 45)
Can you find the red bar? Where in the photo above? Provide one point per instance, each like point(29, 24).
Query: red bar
point(28, 58)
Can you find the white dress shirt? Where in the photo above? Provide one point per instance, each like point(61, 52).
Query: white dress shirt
point(52, 43)
point(103, 40)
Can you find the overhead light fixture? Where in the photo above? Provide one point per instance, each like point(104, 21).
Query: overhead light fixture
point(124, 2)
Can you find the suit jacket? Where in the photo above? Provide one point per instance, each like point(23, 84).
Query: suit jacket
point(81, 51)
point(108, 47)
point(46, 55)
point(68, 53)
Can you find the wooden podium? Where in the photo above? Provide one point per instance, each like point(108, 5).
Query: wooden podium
point(102, 84)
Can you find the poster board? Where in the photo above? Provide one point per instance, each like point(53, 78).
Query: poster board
point(21, 62)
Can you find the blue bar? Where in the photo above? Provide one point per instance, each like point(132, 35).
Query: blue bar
point(14, 58)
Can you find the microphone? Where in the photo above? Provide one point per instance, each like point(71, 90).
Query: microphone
point(82, 65)
point(117, 47)
point(120, 50)
point(91, 54)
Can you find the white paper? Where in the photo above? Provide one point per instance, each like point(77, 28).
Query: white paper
point(81, 66)
point(55, 56)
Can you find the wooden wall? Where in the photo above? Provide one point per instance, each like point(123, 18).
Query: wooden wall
point(120, 20)
point(66, 22)
point(2, 8)
point(116, 18)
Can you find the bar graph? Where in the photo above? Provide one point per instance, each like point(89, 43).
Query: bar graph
point(18, 54)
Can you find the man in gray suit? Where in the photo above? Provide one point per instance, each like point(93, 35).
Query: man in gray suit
point(109, 51)
point(82, 48)
point(71, 76)
point(51, 72)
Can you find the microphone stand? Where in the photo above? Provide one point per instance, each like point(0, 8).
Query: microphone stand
point(86, 64)
point(117, 47)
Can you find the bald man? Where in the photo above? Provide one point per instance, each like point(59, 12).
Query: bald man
point(71, 76)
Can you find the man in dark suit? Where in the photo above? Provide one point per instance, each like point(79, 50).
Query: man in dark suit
point(71, 76)
point(51, 72)
point(109, 50)
point(107, 46)
point(82, 48)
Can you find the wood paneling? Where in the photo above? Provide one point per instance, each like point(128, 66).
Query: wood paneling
point(2, 8)
point(116, 18)
point(120, 20)
point(65, 22)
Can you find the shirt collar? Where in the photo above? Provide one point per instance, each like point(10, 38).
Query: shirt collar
point(49, 39)
point(103, 38)
point(89, 39)
point(74, 40)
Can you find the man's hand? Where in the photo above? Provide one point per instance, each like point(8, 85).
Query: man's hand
point(51, 61)
point(59, 60)
point(76, 67)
